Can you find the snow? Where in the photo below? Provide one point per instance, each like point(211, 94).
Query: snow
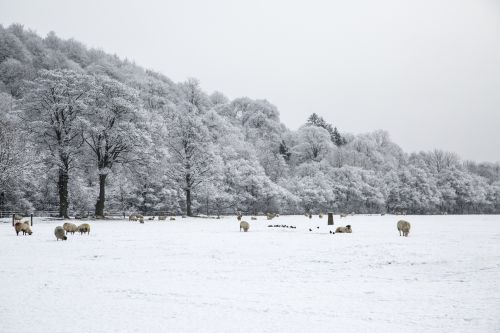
point(203, 275)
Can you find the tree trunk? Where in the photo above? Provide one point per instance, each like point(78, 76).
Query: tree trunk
point(188, 202)
point(99, 206)
point(62, 185)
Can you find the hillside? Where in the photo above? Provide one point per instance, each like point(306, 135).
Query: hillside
point(82, 130)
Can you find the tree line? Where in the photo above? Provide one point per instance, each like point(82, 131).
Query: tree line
point(82, 130)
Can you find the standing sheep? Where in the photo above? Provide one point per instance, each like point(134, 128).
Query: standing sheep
point(59, 232)
point(132, 218)
point(70, 227)
point(344, 230)
point(244, 225)
point(404, 226)
point(24, 227)
point(84, 228)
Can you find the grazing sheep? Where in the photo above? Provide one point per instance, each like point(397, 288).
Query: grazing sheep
point(151, 218)
point(270, 216)
point(172, 218)
point(162, 218)
point(404, 227)
point(84, 228)
point(344, 230)
point(132, 218)
point(141, 220)
point(253, 218)
point(24, 227)
point(59, 232)
point(70, 227)
point(343, 215)
point(244, 225)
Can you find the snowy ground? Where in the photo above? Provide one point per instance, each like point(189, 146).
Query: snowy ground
point(200, 275)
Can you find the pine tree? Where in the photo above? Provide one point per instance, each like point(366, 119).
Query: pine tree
point(284, 151)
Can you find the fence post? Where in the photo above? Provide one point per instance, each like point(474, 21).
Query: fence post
point(330, 218)
point(31, 218)
point(13, 218)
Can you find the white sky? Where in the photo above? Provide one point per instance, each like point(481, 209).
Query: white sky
point(427, 71)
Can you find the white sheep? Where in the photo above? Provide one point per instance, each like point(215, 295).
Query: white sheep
point(244, 225)
point(59, 233)
point(22, 227)
point(344, 230)
point(70, 227)
point(404, 227)
point(84, 228)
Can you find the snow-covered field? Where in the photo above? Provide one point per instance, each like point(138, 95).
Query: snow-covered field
point(201, 275)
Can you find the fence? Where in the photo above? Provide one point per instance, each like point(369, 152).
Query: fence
point(55, 213)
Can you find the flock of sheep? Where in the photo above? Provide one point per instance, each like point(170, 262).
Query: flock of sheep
point(402, 225)
point(61, 232)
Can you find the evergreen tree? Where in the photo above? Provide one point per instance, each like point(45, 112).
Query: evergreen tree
point(284, 151)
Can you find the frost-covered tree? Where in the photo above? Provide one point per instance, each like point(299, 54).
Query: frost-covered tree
point(191, 155)
point(111, 129)
point(314, 143)
point(54, 105)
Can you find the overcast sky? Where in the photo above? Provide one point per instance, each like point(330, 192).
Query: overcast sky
point(428, 72)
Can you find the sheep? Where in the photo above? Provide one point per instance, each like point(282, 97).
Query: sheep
point(270, 216)
point(84, 228)
point(59, 233)
point(151, 218)
point(132, 217)
point(244, 225)
point(162, 218)
point(70, 227)
point(253, 218)
point(347, 229)
point(172, 218)
point(320, 215)
point(343, 215)
point(24, 227)
point(404, 226)
point(141, 220)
